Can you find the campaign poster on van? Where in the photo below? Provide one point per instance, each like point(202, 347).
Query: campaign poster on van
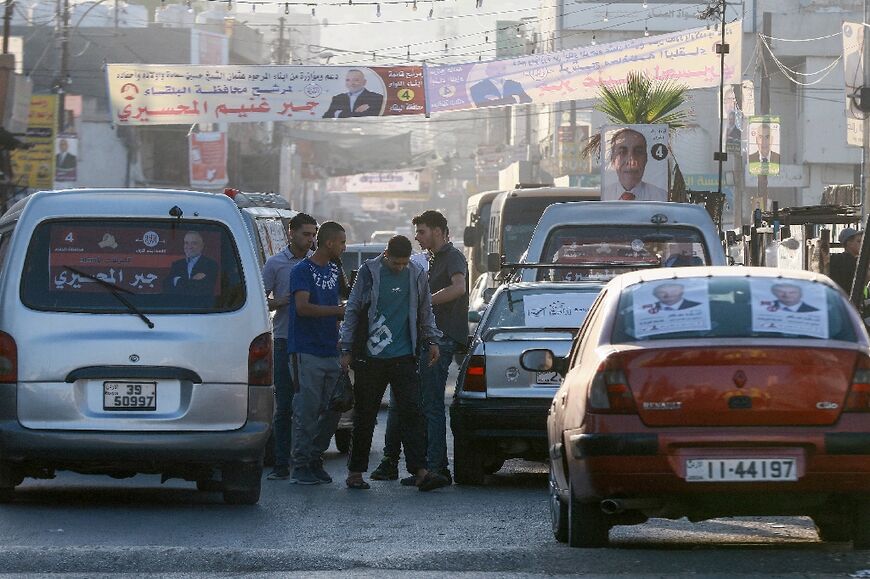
point(557, 310)
point(789, 307)
point(152, 94)
point(671, 306)
point(634, 163)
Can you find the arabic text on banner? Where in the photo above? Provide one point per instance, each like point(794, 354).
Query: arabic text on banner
point(142, 94)
point(687, 57)
point(35, 166)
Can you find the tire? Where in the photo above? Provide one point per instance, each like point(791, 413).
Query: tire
point(587, 525)
point(342, 440)
point(467, 462)
point(492, 466)
point(861, 525)
point(558, 511)
point(243, 482)
point(209, 485)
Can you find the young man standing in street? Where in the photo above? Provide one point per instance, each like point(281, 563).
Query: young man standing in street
point(391, 300)
point(276, 280)
point(312, 341)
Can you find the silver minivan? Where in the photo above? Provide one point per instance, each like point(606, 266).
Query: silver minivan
point(134, 338)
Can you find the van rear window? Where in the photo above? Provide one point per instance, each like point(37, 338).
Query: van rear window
point(158, 266)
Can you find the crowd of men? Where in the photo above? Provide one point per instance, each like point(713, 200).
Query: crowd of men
point(401, 325)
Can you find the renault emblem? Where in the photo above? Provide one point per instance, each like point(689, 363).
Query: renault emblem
point(739, 378)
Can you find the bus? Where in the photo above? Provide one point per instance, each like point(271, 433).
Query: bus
point(476, 233)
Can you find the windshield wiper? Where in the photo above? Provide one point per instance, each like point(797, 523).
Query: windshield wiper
point(116, 291)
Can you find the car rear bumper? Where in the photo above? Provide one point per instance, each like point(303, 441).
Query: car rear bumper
point(140, 450)
point(503, 423)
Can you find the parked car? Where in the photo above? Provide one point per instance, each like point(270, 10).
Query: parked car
point(705, 392)
point(118, 355)
point(499, 411)
point(642, 232)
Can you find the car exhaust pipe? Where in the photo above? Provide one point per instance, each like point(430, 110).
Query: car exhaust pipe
point(616, 506)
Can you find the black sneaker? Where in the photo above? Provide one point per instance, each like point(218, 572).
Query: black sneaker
point(279, 473)
point(445, 472)
point(433, 480)
point(387, 470)
point(409, 481)
point(319, 473)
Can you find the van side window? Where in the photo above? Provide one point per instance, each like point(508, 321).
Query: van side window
point(5, 239)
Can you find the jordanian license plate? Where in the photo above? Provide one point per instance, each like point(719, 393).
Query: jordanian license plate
point(741, 470)
point(548, 378)
point(129, 396)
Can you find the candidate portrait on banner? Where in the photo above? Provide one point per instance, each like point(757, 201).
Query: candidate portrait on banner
point(495, 88)
point(357, 100)
point(763, 147)
point(634, 163)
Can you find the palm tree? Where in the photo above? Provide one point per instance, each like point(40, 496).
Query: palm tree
point(641, 101)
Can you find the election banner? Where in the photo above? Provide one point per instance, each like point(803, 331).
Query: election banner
point(636, 164)
point(35, 166)
point(146, 94)
point(686, 57)
point(763, 146)
point(208, 159)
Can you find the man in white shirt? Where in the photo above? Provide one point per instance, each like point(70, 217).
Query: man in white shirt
point(628, 157)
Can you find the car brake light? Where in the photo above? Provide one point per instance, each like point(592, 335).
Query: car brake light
point(475, 375)
point(230, 192)
point(8, 359)
point(858, 399)
point(260, 361)
point(610, 392)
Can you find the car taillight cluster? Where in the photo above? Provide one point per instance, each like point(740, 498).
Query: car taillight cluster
point(475, 375)
point(8, 359)
point(260, 361)
point(610, 392)
point(858, 399)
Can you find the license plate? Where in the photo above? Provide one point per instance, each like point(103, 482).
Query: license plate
point(741, 469)
point(129, 396)
point(548, 378)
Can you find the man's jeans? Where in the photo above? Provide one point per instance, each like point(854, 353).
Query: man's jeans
point(283, 404)
point(314, 423)
point(372, 378)
point(433, 383)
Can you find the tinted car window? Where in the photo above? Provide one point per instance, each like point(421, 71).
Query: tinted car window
point(645, 245)
point(731, 307)
point(158, 266)
point(542, 308)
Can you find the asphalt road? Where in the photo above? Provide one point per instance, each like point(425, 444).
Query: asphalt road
point(89, 526)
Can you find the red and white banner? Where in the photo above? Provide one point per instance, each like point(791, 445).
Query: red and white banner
point(208, 159)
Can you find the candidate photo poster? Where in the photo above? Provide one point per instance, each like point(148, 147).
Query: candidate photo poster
point(763, 145)
point(789, 307)
point(671, 306)
point(634, 163)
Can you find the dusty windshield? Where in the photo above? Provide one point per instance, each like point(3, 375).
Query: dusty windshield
point(646, 246)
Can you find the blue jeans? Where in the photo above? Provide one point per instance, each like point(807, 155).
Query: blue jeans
point(433, 383)
point(283, 404)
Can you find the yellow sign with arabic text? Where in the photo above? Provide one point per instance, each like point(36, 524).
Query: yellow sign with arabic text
point(34, 167)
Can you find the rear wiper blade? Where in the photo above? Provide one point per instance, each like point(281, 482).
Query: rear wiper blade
point(116, 291)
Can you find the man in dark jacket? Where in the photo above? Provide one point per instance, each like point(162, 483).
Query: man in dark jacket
point(843, 264)
point(357, 101)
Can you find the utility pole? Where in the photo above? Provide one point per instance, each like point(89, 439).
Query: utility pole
point(61, 82)
point(281, 55)
point(865, 148)
point(721, 156)
point(7, 22)
point(766, 27)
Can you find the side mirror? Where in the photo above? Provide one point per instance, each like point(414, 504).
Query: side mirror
point(487, 294)
point(474, 316)
point(493, 262)
point(542, 361)
point(470, 236)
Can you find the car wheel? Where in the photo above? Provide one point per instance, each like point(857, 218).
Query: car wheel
point(241, 484)
point(467, 462)
point(587, 525)
point(493, 465)
point(558, 511)
point(342, 440)
point(861, 525)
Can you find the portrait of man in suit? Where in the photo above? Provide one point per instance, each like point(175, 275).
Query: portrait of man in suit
point(628, 159)
point(789, 298)
point(670, 297)
point(358, 101)
point(195, 273)
point(764, 154)
point(64, 159)
point(495, 89)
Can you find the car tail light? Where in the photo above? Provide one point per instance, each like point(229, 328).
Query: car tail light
point(260, 361)
point(610, 392)
point(8, 359)
point(475, 375)
point(858, 399)
point(231, 193)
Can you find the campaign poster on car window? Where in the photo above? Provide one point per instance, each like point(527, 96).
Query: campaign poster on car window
point(669, 306)
point(634, 163)
point(789, 307)
point(557, 310)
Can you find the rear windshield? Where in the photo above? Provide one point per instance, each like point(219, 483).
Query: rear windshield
point(731, 307)
point(159, 266)
point(646, 245)
point(540, 308)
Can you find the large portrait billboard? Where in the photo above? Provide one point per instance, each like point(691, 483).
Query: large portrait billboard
point(634, 163)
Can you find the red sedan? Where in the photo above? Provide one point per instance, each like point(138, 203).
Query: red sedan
point(709, 392)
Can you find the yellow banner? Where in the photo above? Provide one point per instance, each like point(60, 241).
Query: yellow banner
point(34, 167)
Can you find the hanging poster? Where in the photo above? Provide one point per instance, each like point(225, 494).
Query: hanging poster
point(208, 159)
point(763, 146)
point(789, 307)
point(671, 306)
point(634, 163)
